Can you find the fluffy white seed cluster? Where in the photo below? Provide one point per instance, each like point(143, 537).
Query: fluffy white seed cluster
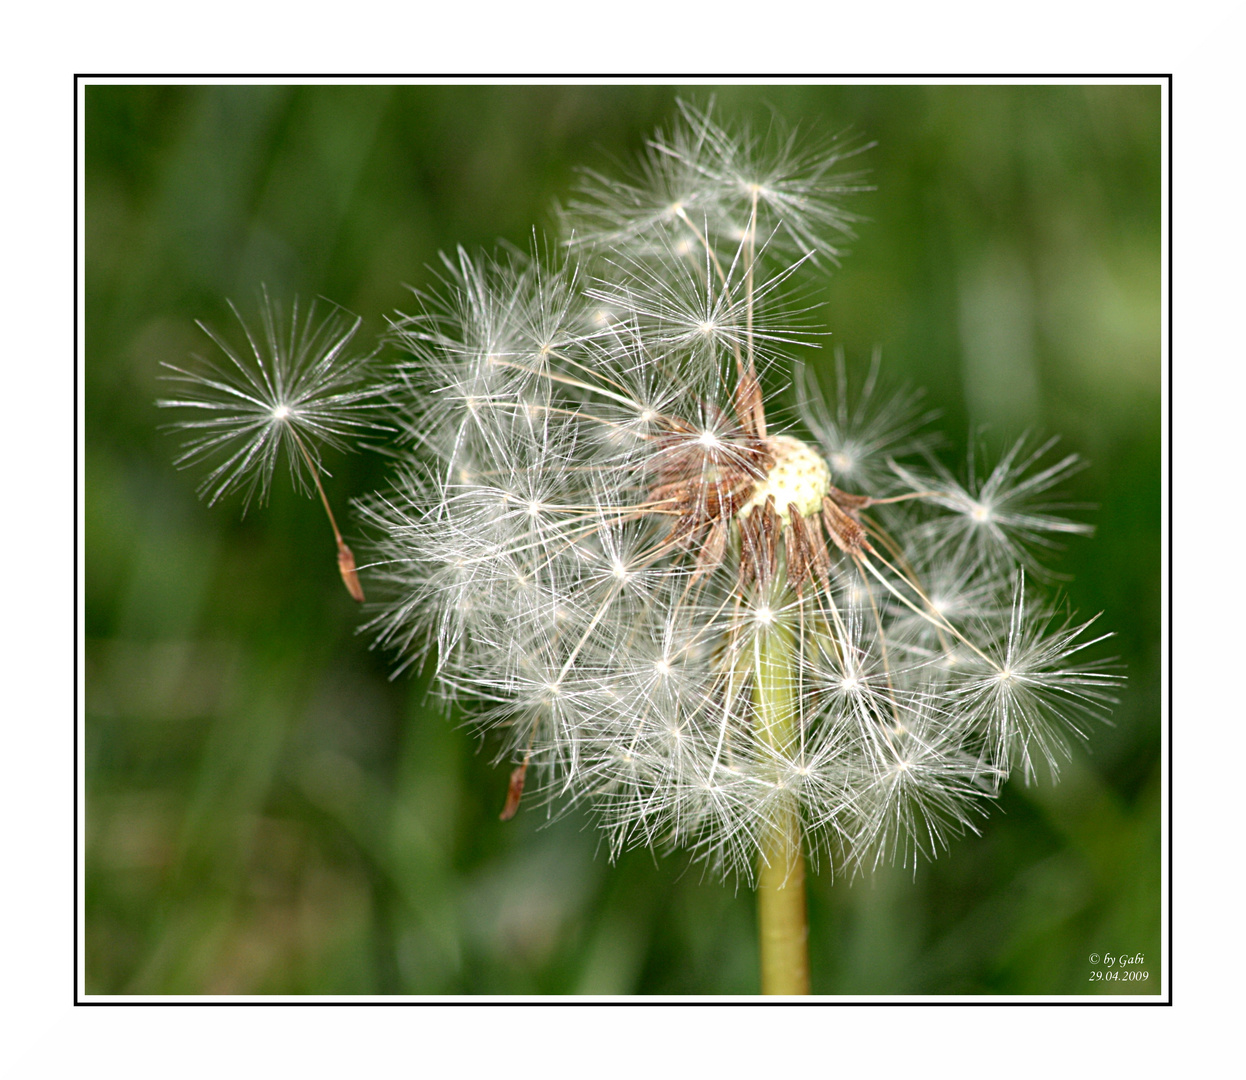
point(621, 565)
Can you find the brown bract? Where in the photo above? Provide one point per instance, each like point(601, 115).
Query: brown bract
point(704, 481)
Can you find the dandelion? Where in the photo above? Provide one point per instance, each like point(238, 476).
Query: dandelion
point(288, 394)
point(759, 643)
point(763, 636)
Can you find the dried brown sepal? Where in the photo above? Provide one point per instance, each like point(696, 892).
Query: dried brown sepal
point(346, 567)
point(851, 503)
point(700, 486)
point(715, 548)
point(672, 495)
point(770, 536)
point(750, 545)
point(796, 541)
point(514, 791)
point(820, 558)
point(846, 532)
point(759, 546)
point(698, 503)
point(749, 410)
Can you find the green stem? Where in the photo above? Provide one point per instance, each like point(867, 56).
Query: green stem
point(782, 923)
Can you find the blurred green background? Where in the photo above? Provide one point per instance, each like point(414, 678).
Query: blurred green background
point(267, 812)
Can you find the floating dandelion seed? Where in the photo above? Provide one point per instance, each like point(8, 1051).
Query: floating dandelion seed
point(291, 392)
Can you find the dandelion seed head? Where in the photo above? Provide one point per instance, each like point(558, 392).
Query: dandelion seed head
point(608, 532)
